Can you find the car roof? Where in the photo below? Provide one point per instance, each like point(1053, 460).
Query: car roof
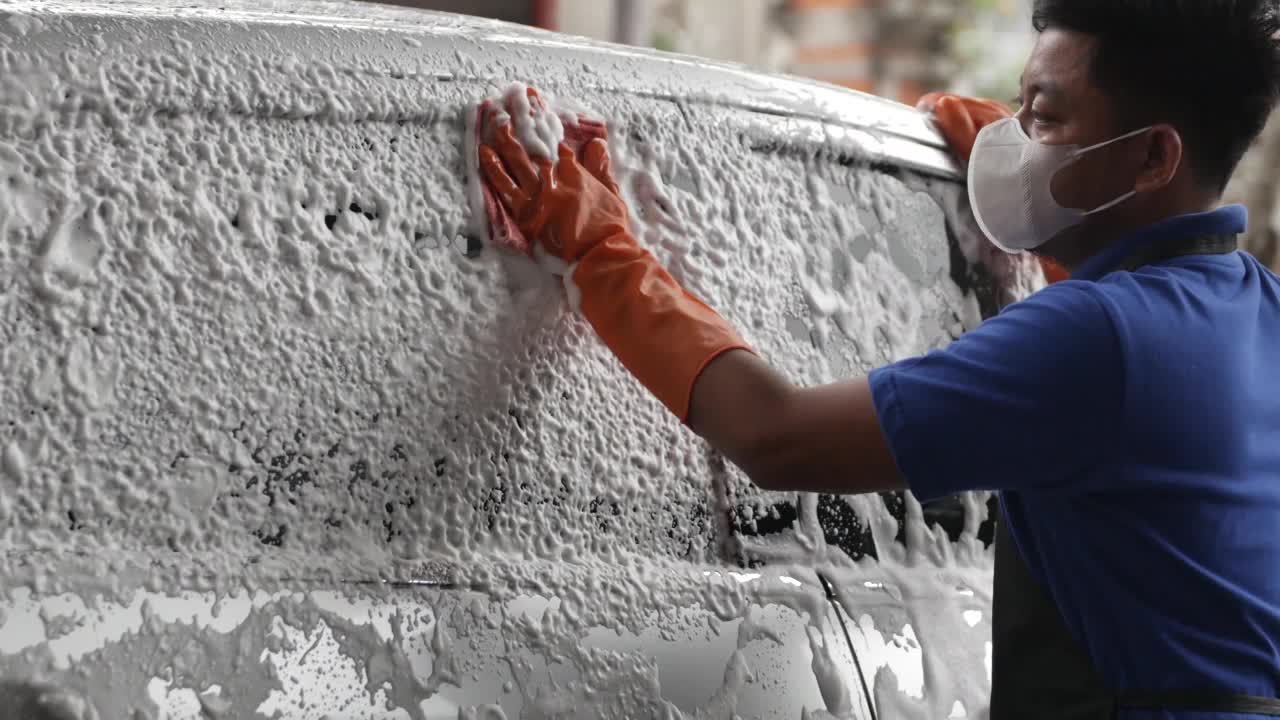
point(441, 43)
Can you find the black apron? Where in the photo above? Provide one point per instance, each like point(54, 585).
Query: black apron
point(1039, 671)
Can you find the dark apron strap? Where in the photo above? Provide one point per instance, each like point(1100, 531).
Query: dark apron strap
point(1207, 702)
point(1038, 668)
point(1157, 252)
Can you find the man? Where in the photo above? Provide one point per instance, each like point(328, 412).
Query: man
point(1136, 406)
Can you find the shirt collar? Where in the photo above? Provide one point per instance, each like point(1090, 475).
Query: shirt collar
point(1226, 220)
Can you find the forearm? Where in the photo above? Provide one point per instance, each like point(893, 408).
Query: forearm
point(664, 335)
point(822, 439)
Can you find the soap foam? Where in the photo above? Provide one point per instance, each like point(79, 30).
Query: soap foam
point(251, 351)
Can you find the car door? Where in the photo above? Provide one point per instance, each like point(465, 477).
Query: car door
point(911, 583)
point(281, 435)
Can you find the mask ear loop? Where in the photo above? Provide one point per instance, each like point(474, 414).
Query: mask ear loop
point(1117, 139)
point(1113, 203)
point(1077, 154)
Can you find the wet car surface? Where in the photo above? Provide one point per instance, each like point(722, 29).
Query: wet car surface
point(282, 437)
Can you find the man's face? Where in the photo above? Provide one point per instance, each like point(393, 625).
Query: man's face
point(1062, 105)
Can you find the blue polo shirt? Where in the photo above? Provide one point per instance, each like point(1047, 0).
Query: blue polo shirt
point(1132, 422)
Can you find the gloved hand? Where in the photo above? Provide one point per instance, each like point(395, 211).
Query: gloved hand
point(961, 118)
point(568, 207)
point(665, 336)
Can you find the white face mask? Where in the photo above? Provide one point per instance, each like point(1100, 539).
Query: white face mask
point(1009, 186)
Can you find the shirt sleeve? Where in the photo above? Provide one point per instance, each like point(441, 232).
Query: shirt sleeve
point(1028, 400)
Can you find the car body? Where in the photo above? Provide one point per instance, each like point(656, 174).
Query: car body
point(280, 436)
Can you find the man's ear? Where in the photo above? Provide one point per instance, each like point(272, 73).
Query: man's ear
point(1162, 160)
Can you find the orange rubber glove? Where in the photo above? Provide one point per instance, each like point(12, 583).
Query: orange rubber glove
point(665, 336)
point(960, 119)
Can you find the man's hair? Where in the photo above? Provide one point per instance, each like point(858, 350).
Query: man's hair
point(1211, 68)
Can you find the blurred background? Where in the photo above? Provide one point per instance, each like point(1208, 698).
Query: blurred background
point(898, 49)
